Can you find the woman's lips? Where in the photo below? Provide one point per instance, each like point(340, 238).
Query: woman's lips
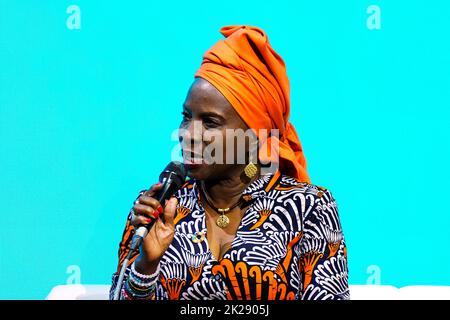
point(191, 167)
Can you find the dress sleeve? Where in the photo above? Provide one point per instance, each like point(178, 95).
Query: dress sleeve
point(323, 259)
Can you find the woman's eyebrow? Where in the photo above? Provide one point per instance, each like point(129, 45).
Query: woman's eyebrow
point(205, 114)
point(211, 115)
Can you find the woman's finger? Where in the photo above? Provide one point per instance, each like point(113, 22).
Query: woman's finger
point(151, 202)
point(137, 220)
point(153, 189)
point(145, 210)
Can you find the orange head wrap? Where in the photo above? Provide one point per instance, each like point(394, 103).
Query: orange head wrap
point(253, 78)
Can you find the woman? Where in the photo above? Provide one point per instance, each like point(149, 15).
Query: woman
point(235, 231)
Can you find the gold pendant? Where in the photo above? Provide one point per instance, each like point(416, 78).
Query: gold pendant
point(223, 221)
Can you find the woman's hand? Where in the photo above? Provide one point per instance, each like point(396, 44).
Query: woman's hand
point(146, 208)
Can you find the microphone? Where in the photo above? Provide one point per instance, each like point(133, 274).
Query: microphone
point(172, 178)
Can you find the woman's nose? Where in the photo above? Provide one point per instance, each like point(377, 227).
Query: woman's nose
point(192, 133)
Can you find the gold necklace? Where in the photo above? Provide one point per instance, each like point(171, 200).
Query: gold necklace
point(222, 221)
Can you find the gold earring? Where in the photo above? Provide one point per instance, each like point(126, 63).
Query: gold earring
point(250, 170)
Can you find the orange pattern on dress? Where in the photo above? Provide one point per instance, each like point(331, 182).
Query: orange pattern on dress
point(263, 216)
point(309, 262)
point(195, 272)
point(173, 286)
point(283, 266)
point(261, 282)
point(290, 187)
point(182, 212)
point(334, 247)
point(124, 245)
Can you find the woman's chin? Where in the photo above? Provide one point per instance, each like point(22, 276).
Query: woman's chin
point(196, 171)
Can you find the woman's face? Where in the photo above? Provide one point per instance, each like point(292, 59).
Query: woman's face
point(209, 151)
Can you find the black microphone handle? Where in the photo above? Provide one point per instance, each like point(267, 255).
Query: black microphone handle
point(166, 192)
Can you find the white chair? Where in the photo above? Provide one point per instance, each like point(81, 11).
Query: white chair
point(373, 292)
point(425, 293)
point(357, 292)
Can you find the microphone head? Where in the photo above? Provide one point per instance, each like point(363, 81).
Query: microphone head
point(176, 171)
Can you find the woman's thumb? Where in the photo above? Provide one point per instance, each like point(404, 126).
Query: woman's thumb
point(169, 210)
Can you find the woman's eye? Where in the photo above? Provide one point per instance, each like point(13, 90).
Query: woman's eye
point(211, 124)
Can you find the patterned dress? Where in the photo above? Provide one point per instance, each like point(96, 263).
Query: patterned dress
point(289, 245)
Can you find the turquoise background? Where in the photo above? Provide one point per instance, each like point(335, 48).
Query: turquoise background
point(86, 118)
